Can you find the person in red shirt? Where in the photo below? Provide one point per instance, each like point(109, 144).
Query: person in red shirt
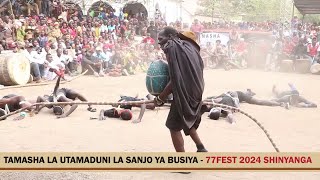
point(197, 28)
point(148, 40)
point(313, 50)
point(288, 47)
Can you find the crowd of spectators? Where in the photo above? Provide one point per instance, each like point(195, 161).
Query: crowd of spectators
point(63, 40)
point(296, 41)
point(103, 43)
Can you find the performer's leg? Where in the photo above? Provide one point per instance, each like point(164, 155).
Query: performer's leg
point(196, 139)
point(263, 102)
point(177, 140)
point(38, 107)
point(74, 95)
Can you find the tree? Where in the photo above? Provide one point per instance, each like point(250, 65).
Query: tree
point(253, 10)
point(208, 7)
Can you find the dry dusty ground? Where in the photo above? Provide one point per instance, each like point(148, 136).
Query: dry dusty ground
point(295, 130)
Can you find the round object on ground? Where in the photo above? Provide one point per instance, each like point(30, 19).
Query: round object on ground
point(286, 66)
point(303, 66)
point(315, 68)
point(157, 77)
point(14, 69)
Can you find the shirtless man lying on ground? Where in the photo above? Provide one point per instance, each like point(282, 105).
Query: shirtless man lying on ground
point(124, 111)
point(233, 99)
point(62, 95)
point(292, 97)
point(11, 103)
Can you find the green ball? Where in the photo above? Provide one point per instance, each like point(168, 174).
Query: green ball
point(157, 77)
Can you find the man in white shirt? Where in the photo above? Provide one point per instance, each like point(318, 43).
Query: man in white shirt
point(59, 56)
point(53, 67)
point(104, 27)
point(36, 64)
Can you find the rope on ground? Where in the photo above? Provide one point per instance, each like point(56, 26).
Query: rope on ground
point(139, 103)
point(249, 116)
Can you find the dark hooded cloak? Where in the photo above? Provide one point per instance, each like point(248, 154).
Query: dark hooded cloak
point(186, 75)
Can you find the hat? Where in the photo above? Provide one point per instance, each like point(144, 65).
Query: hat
point(189, 36)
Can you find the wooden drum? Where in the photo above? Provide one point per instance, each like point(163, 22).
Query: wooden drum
point(315, 68)
point(303, 66)
point(14, 69)
point(286, 66)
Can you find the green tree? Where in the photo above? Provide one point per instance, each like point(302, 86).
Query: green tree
point(253, 10)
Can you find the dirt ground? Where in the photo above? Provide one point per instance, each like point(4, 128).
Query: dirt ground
point(294, 130)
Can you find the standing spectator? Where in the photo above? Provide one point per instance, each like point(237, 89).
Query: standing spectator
point(313, 50)
point(197, 28)
point(153, 31)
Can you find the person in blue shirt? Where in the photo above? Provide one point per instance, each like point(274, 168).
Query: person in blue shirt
point(103, 57)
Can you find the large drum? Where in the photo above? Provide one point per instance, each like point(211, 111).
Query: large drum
point(14, 69)
point(157, 77)
point(286, 66)
point(315, 68)
point(303, 66)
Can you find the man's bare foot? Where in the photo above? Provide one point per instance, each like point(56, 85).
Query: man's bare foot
point(101, 115)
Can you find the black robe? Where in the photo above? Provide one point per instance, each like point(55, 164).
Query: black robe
point(186, 75)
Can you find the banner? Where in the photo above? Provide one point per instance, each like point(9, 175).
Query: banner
point(182, 162)
point(211, 38)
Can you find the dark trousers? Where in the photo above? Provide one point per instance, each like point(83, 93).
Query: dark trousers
point(37, 70)
point(45, 8)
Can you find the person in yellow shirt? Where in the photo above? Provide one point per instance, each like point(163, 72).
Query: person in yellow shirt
point(20, 33)
point(97, 29)
point(55, 33)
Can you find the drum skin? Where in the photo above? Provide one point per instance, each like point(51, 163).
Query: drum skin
point(14, 69)
point(286, 66)
point(303, 66)
point(157, 77)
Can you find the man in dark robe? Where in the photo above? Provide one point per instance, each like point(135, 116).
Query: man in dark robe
point(186, 84)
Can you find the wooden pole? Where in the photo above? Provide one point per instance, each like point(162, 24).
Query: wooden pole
point(11, 11)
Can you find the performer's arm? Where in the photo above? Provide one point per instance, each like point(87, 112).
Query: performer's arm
point(73, 108)
point(38, 107)
point(166, 92)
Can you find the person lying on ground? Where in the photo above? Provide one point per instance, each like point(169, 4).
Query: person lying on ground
point(248, 97)
point(62, 95)
point(124, 114)
point(12, 102)
point(292, 97)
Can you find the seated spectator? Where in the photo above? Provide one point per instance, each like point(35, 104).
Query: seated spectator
point(36, 64)
point(93, 64)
